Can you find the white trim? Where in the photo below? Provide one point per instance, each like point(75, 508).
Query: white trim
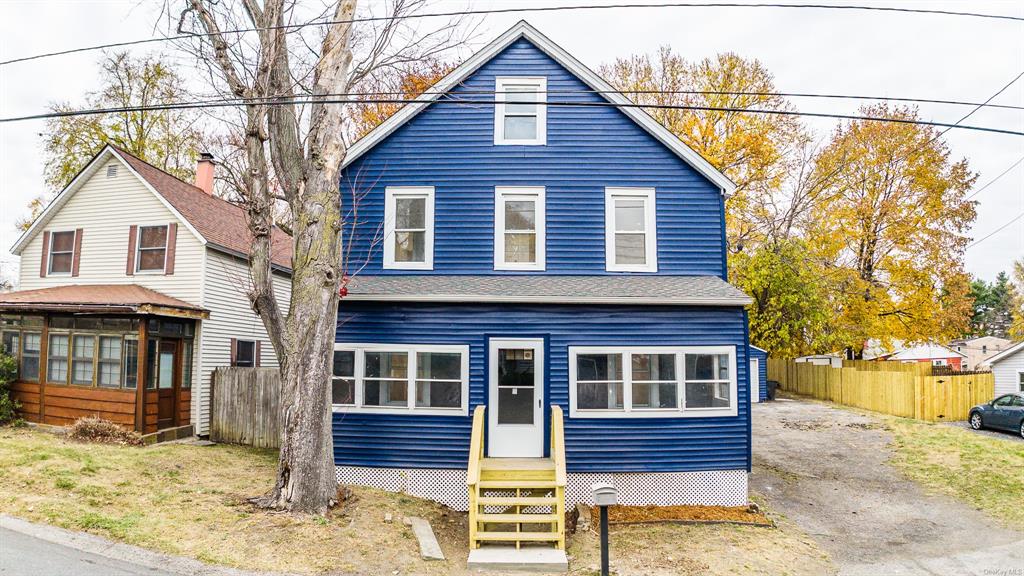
point(1004, 354)
point(49, 253)
point(391, 193)
point(410, 349)
point(520, 298)
point(755, 380)
point(536, 194)
point(680, 411)
point(650, 229)
point(595, 82)
point(527, 440)
point(138, 249)
point(758, 348)
point(540, 83)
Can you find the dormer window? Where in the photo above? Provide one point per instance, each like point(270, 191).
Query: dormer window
point(630, 243)
point(519, 116)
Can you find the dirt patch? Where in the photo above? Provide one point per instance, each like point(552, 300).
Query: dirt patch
point(805, 425)
point(692, 514)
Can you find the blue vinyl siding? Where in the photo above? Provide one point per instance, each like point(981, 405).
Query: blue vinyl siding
point(592, 445)
point(762, 364)
point(451, 148)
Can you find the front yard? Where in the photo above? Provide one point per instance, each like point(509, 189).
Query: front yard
point(190, 500)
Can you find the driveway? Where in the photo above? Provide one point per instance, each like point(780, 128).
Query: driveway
point(826, 469)
point(986, 431)
point(23, 555)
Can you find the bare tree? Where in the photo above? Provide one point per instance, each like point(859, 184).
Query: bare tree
point(286, 171)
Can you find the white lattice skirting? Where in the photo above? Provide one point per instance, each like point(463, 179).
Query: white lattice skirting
point(712, 488)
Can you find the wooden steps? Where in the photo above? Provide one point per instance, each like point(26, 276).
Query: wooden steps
point(517, 518)
point(518, 536)
point(516, 501)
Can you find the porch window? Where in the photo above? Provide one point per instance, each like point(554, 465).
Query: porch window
point(29, 368)
point(422, 379)
point(409, 228)
point(630, 232)
point(131, 363)
point(62, 252)
point(520, 117)
point(109, 362)
point(186, 365)
point(11, 344)
point(659, 381)
point(152, 249)
point(519, 228)
point(83, 360)
point(57, 359)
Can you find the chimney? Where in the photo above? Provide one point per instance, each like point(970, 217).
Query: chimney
point(204, 172)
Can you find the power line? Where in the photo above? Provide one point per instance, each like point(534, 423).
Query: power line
point(332, 99)
point(994, 232)
point(645, 5)
point(993, 181)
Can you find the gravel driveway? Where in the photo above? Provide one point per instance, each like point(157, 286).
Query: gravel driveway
point(827, 470)
point(987, 432)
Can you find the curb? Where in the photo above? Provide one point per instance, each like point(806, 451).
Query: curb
point(140, 557)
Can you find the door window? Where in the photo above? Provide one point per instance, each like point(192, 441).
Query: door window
point(515, 386)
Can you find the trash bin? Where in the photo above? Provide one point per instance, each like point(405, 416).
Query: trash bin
point(772, 387)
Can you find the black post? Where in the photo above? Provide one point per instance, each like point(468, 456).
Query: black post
point(604, 541)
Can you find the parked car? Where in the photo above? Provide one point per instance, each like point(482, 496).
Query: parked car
point(1004, 413)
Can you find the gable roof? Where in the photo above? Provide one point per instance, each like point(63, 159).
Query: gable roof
point(217, 223)
point(523, 30)
point(1011, 351)
point(925, 352)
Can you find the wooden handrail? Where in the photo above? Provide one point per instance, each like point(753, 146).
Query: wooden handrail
point(476, 446)
point(558, 444)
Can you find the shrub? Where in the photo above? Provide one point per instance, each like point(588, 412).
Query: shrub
point(8, 406)
point(93, 429)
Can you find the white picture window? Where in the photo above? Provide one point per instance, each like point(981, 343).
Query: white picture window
point(409, 228)
point(630, 231)
point(520, 117)
point(658, 381)
point(396, 378)
point(519, 228)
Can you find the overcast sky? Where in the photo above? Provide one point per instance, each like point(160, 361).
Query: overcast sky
point(824, 51)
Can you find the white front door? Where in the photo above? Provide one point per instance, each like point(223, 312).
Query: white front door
point(516, 398)
point(755, 380)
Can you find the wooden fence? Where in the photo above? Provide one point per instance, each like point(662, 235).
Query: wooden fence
point(907, 390)
point(245, 407)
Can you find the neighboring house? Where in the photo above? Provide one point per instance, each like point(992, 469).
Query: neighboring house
point(520, 261)
point(832, 360)
point(980, 349)
point(1008, 369)
point(128, 254)
point(935, 354)
point(758, 374)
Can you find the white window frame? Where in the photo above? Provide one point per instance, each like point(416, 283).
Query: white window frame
point(650, 229)
point(500, 85)
point(391, 194)
point(411, 350)
point(49, 255)
point(627, 411)
point(138, 248)
point(503, 194)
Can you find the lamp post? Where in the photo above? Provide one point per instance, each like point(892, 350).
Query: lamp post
point(605, 495)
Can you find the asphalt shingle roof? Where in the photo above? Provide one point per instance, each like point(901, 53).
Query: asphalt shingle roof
point(609, 289)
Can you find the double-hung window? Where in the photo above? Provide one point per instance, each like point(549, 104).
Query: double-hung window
point(83, 360)
point(520, 117)
point(630, 233)
point(519, 228)
point(397, 378)
point(29, 369)
point(57, 359)
point(152, 249)
point(409, 228)
point(656, 381)
point(62, 252)
point(109, 375)
point(245, 353)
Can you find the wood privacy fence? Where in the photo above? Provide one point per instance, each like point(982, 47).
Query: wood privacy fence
point(245, 407)
point(907, 390)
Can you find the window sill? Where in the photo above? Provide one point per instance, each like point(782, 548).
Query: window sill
point(408, 265)
point(656, 413)
point(344, 409)
point(520, 267)
point(520, 143)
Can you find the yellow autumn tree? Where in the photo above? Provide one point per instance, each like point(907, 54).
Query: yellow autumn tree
point(403, 84)
point(1016, 330)
point(890, 225)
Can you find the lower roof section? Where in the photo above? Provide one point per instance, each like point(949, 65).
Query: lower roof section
point(548, 289)
point(99, 299)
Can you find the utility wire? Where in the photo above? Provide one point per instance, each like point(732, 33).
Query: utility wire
point(643, 5)
point(332, 99)
point(994, 232)
point(993, 181)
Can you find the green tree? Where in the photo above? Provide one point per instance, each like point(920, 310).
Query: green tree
point(992, 306)
point(168, 139)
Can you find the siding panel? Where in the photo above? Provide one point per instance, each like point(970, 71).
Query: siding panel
point(592, 445)
point(762, 369)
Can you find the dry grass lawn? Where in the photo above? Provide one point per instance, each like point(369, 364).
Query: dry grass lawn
point(191, 500)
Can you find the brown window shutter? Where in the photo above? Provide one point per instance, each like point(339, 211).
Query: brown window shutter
point(172, 241)
point(259, 353)
point(46, 255)
point(133, 233)
point(77, 258)
point(234, 351)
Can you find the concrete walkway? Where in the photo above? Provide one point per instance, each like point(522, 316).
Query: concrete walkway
point(827, 470)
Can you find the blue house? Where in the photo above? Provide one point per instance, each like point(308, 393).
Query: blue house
point(537, 302)
point(758, 374)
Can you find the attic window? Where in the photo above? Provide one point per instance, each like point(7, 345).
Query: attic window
point(111, 170)
point(519, 116)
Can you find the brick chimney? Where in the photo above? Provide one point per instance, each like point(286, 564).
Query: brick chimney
point(204, 172)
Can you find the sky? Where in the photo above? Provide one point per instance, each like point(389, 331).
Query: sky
point(808, 50)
